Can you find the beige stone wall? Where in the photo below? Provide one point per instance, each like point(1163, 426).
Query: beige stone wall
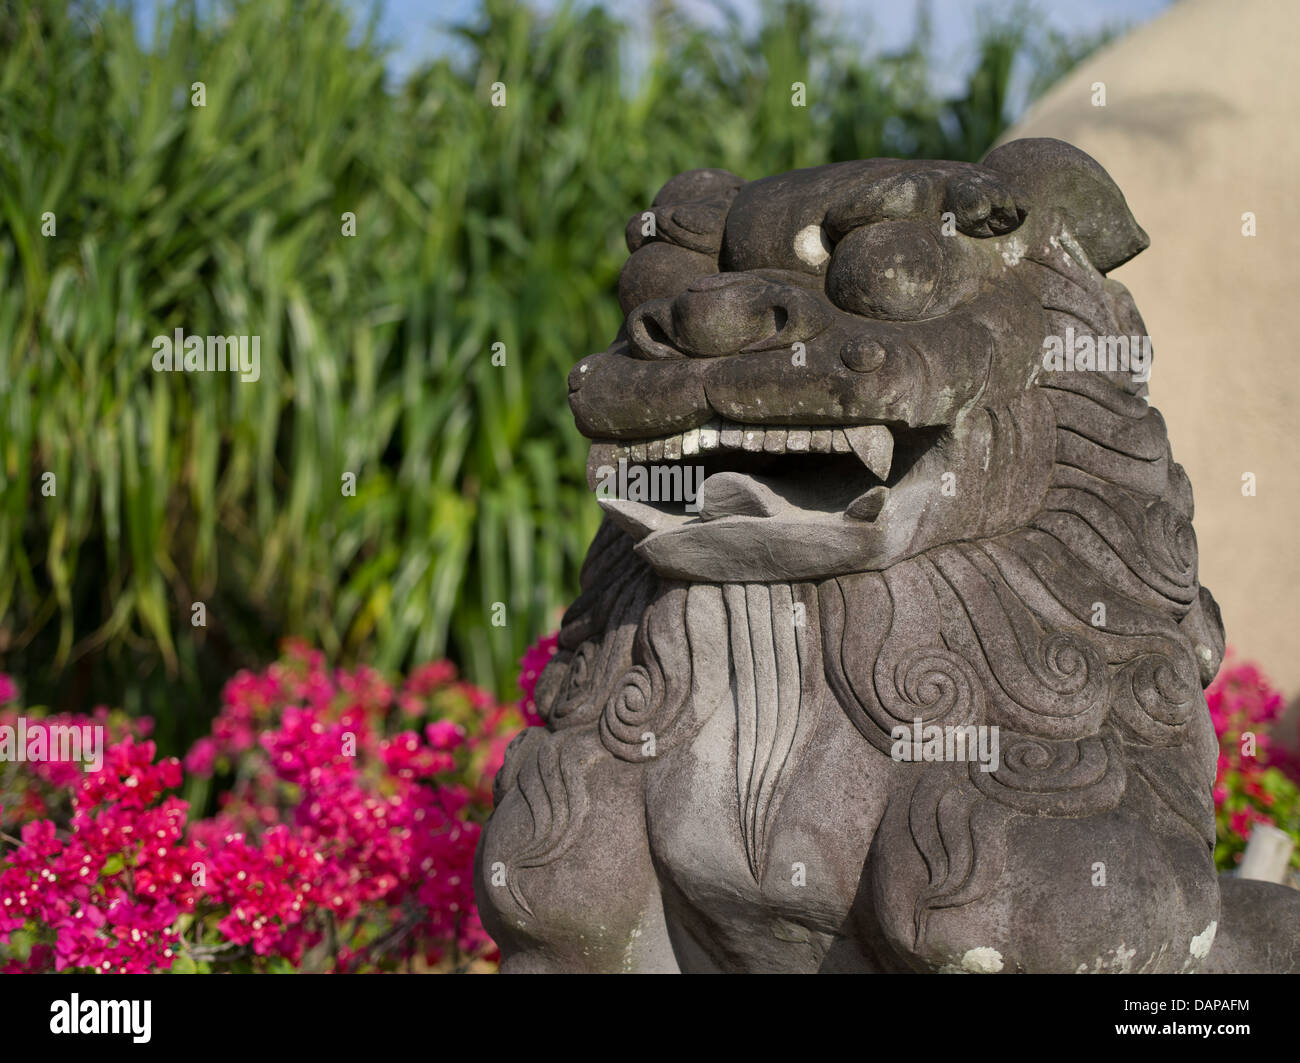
point(1201, 124)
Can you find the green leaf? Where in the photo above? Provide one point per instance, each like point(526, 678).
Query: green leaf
point(184, 964)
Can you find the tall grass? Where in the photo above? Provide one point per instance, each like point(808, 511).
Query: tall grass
point(474, 225)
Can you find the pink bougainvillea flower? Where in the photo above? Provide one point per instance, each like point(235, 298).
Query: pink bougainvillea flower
point(343, 838)
point(530, 670)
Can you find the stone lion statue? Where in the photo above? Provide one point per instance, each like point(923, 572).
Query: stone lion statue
point(890, 651)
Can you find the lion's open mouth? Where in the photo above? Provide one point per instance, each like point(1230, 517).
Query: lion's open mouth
point(729, 472)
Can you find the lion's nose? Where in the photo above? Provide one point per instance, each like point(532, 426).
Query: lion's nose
point(723, 314)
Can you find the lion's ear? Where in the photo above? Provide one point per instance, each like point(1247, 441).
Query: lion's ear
point(1052, 173)
point(689, 211)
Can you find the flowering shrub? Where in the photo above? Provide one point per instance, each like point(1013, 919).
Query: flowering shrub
point(349, 811)
point(1256, 782)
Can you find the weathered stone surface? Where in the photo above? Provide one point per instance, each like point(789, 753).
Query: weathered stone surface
point(915, 527)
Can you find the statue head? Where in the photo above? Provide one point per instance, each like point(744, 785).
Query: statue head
point(853, 356)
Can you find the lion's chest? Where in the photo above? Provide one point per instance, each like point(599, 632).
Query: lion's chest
point(764, 819)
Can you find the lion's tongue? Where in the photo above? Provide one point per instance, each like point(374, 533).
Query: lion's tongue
point(733, 494)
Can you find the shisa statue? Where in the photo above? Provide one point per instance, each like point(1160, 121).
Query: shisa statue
point(890, 652)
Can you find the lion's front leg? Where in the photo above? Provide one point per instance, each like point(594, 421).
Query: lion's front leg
point(563, 872)
point(957, 882)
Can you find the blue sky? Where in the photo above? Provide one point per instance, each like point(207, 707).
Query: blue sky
point(416, 29)
point(413, 25)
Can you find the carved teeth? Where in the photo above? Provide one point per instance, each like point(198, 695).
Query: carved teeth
point(606, 454)
point(874, 446)
point(739, 494)
point(709, 436)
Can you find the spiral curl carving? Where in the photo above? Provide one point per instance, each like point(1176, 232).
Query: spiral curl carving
point(931, 684)
point(1055, 777)
point(1156, 696)
point(632, 706)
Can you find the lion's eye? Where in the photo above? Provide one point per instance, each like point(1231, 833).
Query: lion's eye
point(890, 270)
point(812, 245)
